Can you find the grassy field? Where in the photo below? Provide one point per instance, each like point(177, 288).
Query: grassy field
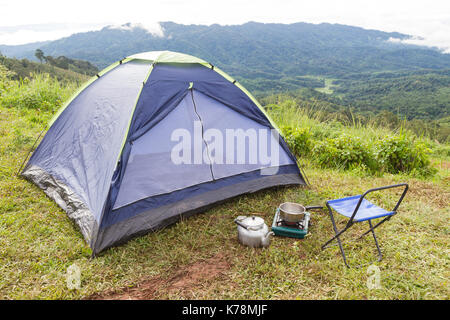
point(200, 257)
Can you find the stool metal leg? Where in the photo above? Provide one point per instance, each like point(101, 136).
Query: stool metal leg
point(380, 255)
point(338, 233)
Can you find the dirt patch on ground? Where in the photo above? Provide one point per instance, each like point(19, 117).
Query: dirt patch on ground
point(428, 192)
point(183, 280)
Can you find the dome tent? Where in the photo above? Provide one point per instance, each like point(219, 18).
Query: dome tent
point(108, 160)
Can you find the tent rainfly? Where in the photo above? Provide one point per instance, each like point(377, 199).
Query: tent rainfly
point(153, 137)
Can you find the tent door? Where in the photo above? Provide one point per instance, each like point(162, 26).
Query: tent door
point(163, 159)
point(235, 144)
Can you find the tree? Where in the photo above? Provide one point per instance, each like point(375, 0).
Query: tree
point(39, 54)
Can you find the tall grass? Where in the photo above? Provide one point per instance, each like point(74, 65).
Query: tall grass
point(290, 113)
point(41, 93)
point(366, 147)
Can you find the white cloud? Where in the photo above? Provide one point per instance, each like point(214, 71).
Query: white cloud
point(152, 28)
point(35, 33)
point(395, 40)
point(435, 42)
point(435, 33)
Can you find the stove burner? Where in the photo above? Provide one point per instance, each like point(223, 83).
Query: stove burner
point(296, 225)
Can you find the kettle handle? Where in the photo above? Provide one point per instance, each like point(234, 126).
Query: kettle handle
point(241, 224)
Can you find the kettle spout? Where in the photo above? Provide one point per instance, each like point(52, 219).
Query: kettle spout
point(266, 239)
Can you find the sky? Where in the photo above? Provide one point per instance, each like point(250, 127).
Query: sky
point(29, 21)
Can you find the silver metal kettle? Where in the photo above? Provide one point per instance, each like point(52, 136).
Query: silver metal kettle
point(253, 232)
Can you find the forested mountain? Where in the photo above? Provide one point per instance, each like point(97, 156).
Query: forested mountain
point(252, 49)
point(414, 94)
point(365, 69)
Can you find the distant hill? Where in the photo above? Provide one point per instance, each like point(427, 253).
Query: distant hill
point(369, 70)
point(252, 50)
point(79, 66)
point(25, 68)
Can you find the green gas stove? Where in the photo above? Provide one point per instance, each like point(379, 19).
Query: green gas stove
point(292, 230)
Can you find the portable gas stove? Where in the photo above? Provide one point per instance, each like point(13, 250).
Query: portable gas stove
point(290, 229)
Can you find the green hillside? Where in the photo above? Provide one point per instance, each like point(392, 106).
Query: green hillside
point(73, 72)
point(421, 94)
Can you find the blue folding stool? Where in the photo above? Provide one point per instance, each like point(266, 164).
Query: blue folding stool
point(358, 209)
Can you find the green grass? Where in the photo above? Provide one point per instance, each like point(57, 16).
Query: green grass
point(38, 242)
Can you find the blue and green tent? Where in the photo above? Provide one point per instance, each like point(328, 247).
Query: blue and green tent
point(106, 157)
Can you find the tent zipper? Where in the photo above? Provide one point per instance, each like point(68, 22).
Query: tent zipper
point(203, 138)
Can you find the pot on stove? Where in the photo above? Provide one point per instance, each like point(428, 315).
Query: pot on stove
point(292, 213)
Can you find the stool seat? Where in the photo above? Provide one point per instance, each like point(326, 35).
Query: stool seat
point(366, 211)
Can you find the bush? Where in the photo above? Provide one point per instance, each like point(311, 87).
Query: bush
point(393, 154)
point(298, 140)
point(346, 152)
point(41, 93)
point(361, 148)
point(5, 79)
point(401, 153)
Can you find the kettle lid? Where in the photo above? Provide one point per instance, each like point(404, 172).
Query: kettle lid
point(252, 222)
